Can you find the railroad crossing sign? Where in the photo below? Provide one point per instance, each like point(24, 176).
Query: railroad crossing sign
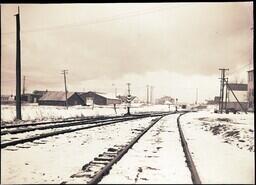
point(129, 98)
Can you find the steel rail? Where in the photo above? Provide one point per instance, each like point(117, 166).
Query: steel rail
point(67, 124)
point(79, 119)
point(58, 121)
point(194, 174)
point(44, 135)
point(75, 123)
point(106, 169)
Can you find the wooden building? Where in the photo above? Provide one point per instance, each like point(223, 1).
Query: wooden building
point(251, 90)
point(7, 99)
point(58, 98)
point(165, 99)
point(240, 90)
point(97, 98)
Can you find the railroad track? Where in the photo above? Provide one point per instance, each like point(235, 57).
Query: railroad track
point(62, 128)
point(9, 126)
point(194, 174)
point(95, 170)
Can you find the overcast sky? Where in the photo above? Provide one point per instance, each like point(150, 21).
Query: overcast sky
point(175, 47)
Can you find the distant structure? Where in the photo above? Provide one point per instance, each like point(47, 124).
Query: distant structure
point(214, 101)
point(58, 98)
point(29, 98)
point(97, 98)
point(163, 100)
point(7, 99)
point(240, 90)
point(136, 99)
point(251, 90)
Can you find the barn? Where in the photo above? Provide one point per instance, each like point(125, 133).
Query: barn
point(97, 98)
point(58, 98)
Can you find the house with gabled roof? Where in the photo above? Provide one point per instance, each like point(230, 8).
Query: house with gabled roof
point(58, 98)
point(98, 98)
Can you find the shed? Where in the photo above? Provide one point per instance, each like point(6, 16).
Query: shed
point(58, 98)
point(97, 98)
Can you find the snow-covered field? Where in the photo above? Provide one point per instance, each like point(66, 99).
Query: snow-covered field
point(35, 112)
point(222, 146)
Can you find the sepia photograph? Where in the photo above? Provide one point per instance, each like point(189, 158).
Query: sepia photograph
point(127, 93)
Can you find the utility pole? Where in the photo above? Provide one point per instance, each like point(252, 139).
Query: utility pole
point(147, 94)
point(18, 68)
point(222, 88)
point(0, 34)
point(196, 96)
point(128, 99)
point(115, 89)
point(64, 72)
point(151, 94)
point(23, 89)
point(226, 97)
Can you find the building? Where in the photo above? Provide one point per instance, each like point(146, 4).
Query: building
point(29, 98)
point(98, 98)
point(58, 98)
point(216, 100)
point(38, 94)
point(165, 99)
point(7, 99)
point(240, 90)
point(251, 90)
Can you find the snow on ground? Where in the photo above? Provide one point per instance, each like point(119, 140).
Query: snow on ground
point(55, 159)
point(35, 112)
point(222, 146)
point(157, 158)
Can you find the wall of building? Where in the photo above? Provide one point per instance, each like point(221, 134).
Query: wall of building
point(251, 90)
point(113, 101)
point(75, 100)
point(236, 106)
point(241, 96)
point(51, 102)
point(98, 100)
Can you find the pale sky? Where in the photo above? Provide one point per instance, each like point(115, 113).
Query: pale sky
point(175, 47)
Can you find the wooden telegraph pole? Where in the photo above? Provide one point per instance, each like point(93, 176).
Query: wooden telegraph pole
point(64, 72)
point(128, 99)
point(24, 87)
point(18, 69)
point(151, 94)
point(147, 94)
point(222, 89)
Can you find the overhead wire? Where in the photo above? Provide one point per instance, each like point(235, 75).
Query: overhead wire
point(239, 69)
point(107, 19)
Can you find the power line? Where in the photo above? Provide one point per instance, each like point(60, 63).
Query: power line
point(239, 69)
point(108, 19)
